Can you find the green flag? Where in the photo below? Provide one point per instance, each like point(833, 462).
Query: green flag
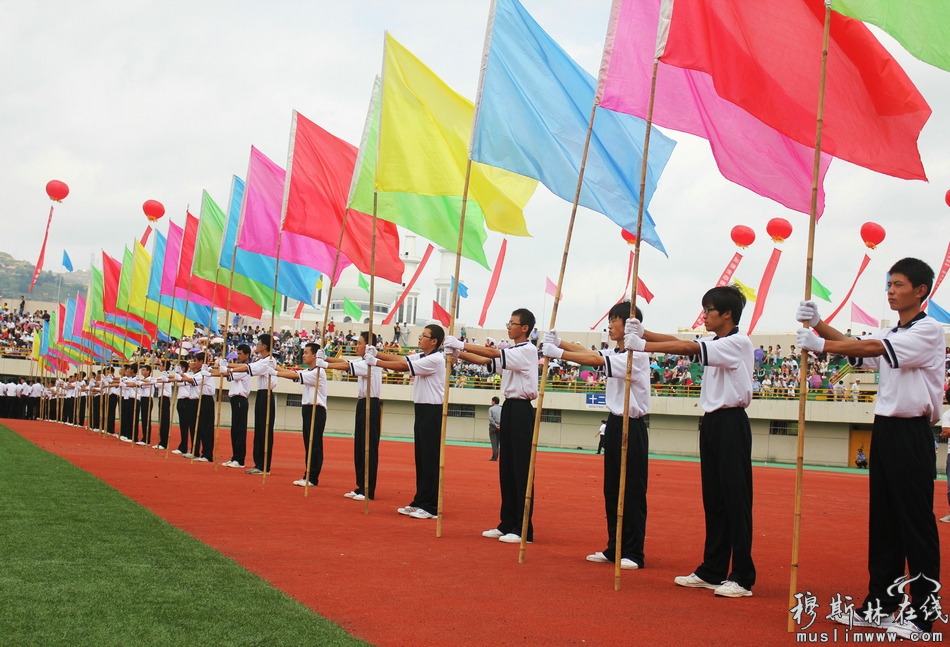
point(125, 281)
point(921, 26)
point(363, 283)
point(819, 291)
point(352, 310)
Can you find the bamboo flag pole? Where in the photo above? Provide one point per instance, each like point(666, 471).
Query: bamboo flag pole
point(214, 448)
point(618, 545)
point(174, 289)
point(803, 370)
point(369, 382)
point(529, 493)
point(227, 317)
point(448, 357)
point(269, 413)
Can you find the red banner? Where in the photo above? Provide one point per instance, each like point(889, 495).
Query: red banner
point(763, 292)
point(864, 264)
point(39, 262)
point(392, 313)
point(723, 280)
point(943, 274)
point(495, 275)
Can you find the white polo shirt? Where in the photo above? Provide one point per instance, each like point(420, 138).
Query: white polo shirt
point(615, 366)
point(10, 389)
point(911, 375)
point(186, 386)
point(308, 378)
point(358, 368)
point(240, 384)
point(727, 379)
point(128, 387)
point(145, 386)
point(203, 383)
point(166, 386)
point(429, 371)
point(259, 368)
point(518, 367)
point(36, 390)
point(114, 385)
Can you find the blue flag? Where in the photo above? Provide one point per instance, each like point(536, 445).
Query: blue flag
point(68, 264)
point(295, 281)
point(532, 116)
point(194, 312)
point(463, 291)
point(938, 313)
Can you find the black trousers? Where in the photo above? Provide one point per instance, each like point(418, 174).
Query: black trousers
point(69, 408)
point(901, 522)
point(635, 488)
point(725, 455)
point(260, 419)
point(186, 422)
point(145, 415)
point(514, 458)
point(110, 412)
point(359, 444)
point(165, 419)
point(427, 434)
point(238, 428)
point(126, 417)
point(81, 421)
point(206, 427)
point(96, 416)
point(318, 415)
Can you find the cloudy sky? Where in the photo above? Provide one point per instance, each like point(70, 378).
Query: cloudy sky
point(129, 100)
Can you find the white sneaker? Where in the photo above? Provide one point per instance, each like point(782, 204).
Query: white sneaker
point(350, 495)
point(422, 514)
point(905, 629)
point(202, 459)
point(512, 538)
point(303, 483)
point(630, 565)
point(494, 533)
point(140, 442)
point(599, 558)
point(236, 464)
point(945, 519)
point(694, 582)
point(359, 497)
point(176, 451)
point(157, 447)
point(226, 463)
point(408, 510)
point(859, 620)
point(124, 439)
point(730, 589)
point(186, 455)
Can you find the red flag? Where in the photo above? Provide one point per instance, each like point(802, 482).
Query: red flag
point(864, 264)
point(765, 57)
point(321, 171)
point(723, 280)
point(440, 314)
point(425, 259)
point(39, 261)
point(299, 311)
point(148, 231)
point(209, 290)
point(493, 285)
point(643, 291)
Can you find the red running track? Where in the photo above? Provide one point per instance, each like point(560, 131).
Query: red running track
point(387, 579)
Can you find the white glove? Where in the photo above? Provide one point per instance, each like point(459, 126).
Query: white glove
point(370, 352)
point(272, 370)
point(321, 357)
point(633, 342)
point(633, 326)
point(223, 365)
point(321, 363)
point(454, 353)
point(808, 314)
point(503, 345)
point(550, 337)
point(370, 358)
point(550, 350)
point(808, 340)
point(177, 370)
point(452, 343)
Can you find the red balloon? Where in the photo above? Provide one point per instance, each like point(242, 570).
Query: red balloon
point(56, 190)
point(627, 236)
point(743, 236)
point(153, 210)
point(872, 234)
point(779, 229)
point(947, 198)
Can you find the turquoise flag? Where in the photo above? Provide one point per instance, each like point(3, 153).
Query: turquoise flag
point(532, 117)
point(68, 264)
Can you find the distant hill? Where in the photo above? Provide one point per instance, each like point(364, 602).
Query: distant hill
point(15, 279)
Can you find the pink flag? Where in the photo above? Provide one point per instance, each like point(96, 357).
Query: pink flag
point(402, 297)
point(551, 288)
point(263, 199)
point(747, 151)
point(860, 316)
point(493, 284)
point(763, 292)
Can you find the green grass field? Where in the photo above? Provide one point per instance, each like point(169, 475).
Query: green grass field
point(80, 564)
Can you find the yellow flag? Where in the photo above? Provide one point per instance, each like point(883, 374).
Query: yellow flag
point(748, 292)
point(425, 130)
